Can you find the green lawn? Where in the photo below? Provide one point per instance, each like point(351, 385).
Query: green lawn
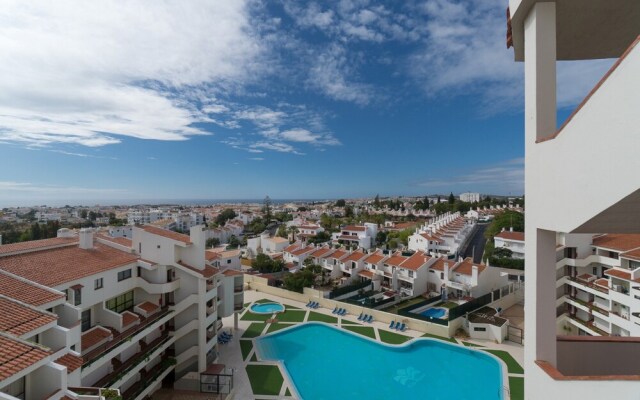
point(291, 316)
point(288, 307)
point(249, 316)
point(245, 305)
point(452, 340)
point(265, 379)
point(469, 344)
point(516, 388)
point(392, 337)
point(277, 326)
point(394, 309)
point(447, 304)
point(314, 316)
point(265, 301)
point(287, 393)
point(254, 358)
point(254, 330)
point(245, 346)
point(512, 365)
point(363, 330)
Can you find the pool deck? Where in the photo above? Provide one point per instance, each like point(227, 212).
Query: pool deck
point(231, 355)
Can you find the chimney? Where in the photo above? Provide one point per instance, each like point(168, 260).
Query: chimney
point(86, 238)
point(474, 274)
point(511, 229)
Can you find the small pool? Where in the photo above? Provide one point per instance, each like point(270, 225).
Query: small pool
point(435, 312)
point(266, 308)
point(319, 357)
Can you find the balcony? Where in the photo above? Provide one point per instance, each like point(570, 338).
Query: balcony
point(158, 288)
point(120, 372)
point(238, 307)
point(149, 379)
point(121, 338)
point(588, 325)
point(592, 306)
point(210, 285)
point(589, 285)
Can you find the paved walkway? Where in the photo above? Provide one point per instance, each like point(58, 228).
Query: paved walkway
point(231, 354)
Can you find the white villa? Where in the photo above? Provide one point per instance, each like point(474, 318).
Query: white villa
point(363, 236)
point(511, 240)
point(596, 144)
point(443, 235)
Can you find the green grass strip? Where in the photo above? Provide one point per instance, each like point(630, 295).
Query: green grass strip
point(452, 340)
point(249, 316)
point(276, 326)
point(291, 316)
point(314, 316)
point(392, 337)
point(512, 365)
point(245, 347)
point(516, 388)
point(254, 330)
point(287, 393)
point(254, 358)
point(469, 344)
point(262, 301)
point(363, 330)
point(265, 379)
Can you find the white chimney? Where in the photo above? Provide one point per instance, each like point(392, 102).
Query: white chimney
point(86, 238)
point(474, 274)
point(511, 229)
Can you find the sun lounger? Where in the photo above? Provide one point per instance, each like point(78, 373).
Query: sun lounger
point(392, 325)
point(344, 312)
point(335, 311)
point(361, 317)
point(309, 304)
point(402, 327)
point(370, 319)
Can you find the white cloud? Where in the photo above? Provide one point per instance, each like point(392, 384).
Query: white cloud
point(505, 177)
point(464, 52)
point(88, 73)
point(257, 158)
point(9, 187)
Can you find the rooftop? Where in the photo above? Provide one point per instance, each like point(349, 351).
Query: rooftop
point(6, 249)
point(26, 292)
point(618, 241)
point(178, 237)
point(511, 235)
point(17, 355)
point(19, 319)
point(65, 264)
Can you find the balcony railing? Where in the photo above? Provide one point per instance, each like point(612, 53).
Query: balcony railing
point(120, 338)
point(588, 284)
point(147, 379)
point(590, 325)
point(142, 356)
point(590, 305)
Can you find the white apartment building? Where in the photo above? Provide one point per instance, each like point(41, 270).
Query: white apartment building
point(99, 312)
point(598, 281)
point(597, 144)
point(511, 240)
point(307, 231)
point(463, 278)
point(266, 244)
point(443, 235)
point(48, 216)
point(363, 236)
point(470, 197)
point(146, 217)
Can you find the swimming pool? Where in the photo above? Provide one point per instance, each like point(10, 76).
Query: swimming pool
point(325, 362)
point(266, 308)
point(435, 312)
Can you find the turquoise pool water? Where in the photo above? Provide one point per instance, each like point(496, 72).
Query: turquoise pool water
point(325, 362)
point(267, 308)
point(434, 312)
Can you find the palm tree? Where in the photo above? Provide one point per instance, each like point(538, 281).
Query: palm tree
point(293, 230)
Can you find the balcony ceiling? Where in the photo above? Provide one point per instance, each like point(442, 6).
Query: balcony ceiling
point(585, 29)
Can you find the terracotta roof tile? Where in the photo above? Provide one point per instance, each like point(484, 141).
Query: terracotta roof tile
point(366, 273)
point(16, 355)
point(18, 319)
point(95, 336)
point(618, 241)
point(354, 228)
point(511, 235)
point(149, 307)
point(355, 256)
point(633, 254)
point(618, 273)
point(122, 241)
point(396, 259)
point(375, 257)
point(129, 318)
point(36, 244)
point(178, 237)
point(466, 267)
point(70, 361)
point(338, 254)
point(415, 261)
point(57, 266)
point(207, 272)
point(321, 252)
point(26, 292)
point(232, 272)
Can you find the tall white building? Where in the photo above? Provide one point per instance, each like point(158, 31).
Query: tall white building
point(564, 169)
point(470, 197)
point(95, 312)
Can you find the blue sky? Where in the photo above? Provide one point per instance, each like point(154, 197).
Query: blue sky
point(240, 99)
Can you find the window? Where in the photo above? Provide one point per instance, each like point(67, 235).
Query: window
point(122, 275)
point(410, 274)
point(441, 275)
point(86, 320)
point(228, 261)
point(479, 329)
point(98, 284)
point(77, 296)
point(595, 271)
point(121, 303)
